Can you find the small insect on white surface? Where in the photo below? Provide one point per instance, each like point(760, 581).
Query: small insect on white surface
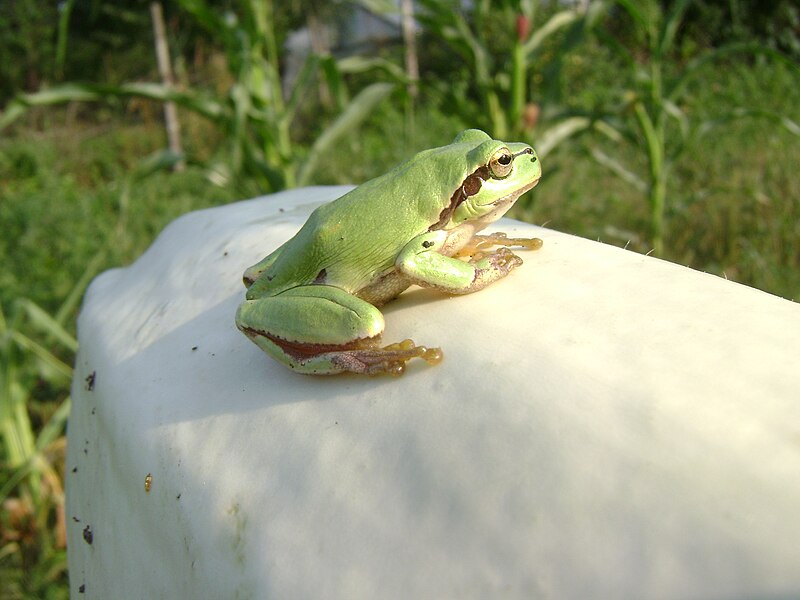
point(148, 482)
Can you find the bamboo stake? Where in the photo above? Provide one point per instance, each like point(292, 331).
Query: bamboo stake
point(409, 38)
point(165, 70)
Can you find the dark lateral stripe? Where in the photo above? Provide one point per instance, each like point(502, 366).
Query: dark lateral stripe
point(469, 187)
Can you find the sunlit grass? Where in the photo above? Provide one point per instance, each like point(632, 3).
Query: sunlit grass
point(733, 207)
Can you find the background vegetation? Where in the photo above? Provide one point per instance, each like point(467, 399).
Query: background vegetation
point(664, 126)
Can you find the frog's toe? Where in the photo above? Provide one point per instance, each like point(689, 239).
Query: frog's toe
point(479, 243)
point(389, 360)
point(501, 260)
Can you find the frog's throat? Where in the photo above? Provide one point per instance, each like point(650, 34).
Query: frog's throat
point(511, 197)
point(492, 211)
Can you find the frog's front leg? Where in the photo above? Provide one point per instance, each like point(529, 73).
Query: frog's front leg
point(478, 244)
point(421, 261)
point(321, 329)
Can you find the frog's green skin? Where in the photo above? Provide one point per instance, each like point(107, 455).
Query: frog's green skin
point(311, 304)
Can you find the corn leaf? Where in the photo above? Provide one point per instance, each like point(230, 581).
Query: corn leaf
point(555, 23)
point(556, 134)
point(357, 110)
point(362, 64)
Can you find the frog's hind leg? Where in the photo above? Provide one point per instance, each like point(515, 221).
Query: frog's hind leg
point(252, 273)
point(321, 329)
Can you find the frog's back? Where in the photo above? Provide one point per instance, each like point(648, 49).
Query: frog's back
point(345, 243)
point(350, 241)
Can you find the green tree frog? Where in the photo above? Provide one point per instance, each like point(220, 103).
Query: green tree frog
point(312, 303)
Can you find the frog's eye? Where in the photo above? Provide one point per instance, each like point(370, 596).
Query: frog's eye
point(501, 163)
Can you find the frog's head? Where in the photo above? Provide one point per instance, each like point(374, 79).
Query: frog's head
point(497, 173)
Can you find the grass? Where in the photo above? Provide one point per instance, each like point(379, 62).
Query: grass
point(71, 205)
point(733, 206)
point(71, 199)
point(70, 195)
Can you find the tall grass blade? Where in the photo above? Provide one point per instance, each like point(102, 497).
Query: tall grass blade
point(63, 35)
point(46, 324)
point(632, 8)
point(14, 110)
point(68, 92)
point(213, 21)
point(48, 435)
point(18, 439)
point(357, 110)
point(362, 64)
point(674, 111)
point(619, 170)
point(69, 305)
point(555, 23)
point(85, 92)
point(306, 77)
point(671, 24)
point(556, 134)
point(54, 427)
point(742, 113)
point(51, 363)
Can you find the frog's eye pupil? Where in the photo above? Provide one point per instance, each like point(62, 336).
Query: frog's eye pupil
point(505, 159)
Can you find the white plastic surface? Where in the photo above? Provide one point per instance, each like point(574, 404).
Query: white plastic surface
point(603, 425)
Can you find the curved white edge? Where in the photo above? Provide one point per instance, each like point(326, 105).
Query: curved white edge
point(603, 425)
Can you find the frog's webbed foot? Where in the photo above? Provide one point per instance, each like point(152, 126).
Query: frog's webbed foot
point(390, 359)
point(492, 264)
point(477, 246)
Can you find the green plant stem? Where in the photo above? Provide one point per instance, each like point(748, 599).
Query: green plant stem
point(658, 195)
point(655, 144)
point(518, 85)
